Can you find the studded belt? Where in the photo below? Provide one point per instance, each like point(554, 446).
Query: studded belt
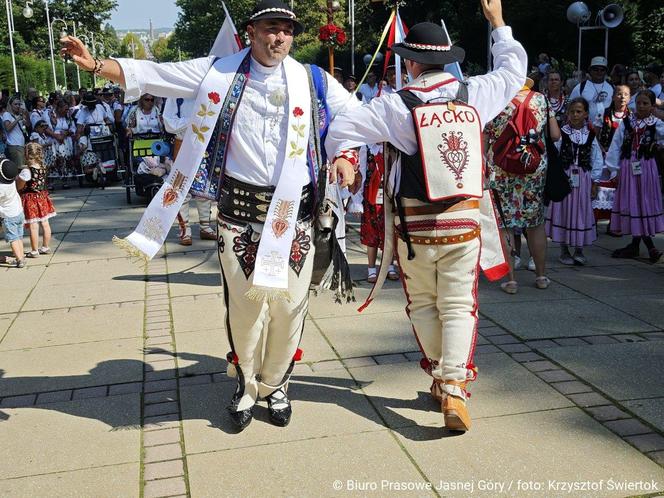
point(242, 202)
point(445, 240)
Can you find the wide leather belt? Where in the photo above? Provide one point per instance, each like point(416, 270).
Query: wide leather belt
point(442, 241)
point(441, 208)
point(242, 202)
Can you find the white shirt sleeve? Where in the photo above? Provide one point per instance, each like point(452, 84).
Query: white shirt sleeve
point(82, 116)
point(338, 98)
point(172, 123)
point(660, 132)
point(612, 160)
point(576, 92)
point(490, 93)
point(171, 79)
point(25, 175)
point(34, 117)
point(596, 160)
point(385, 119)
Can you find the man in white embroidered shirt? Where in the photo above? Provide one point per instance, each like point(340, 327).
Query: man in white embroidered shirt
point(265, 181)
point(434, 130)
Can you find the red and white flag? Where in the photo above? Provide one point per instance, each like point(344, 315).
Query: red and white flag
point(398, 32)
point(228, 41)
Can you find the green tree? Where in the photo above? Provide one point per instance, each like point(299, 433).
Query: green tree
point(31, 40)
point(31, 35)
point(164, 49)
point(132, 46)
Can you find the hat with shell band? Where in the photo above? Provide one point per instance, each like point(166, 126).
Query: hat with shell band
point(273, 9)
point(427, 43)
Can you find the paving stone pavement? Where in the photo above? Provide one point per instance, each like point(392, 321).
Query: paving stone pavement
point(112, 381)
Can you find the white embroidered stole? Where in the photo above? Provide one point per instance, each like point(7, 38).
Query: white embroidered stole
point(270, 280)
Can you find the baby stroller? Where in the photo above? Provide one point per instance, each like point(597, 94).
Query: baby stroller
point(148, 163)
point(99, 160)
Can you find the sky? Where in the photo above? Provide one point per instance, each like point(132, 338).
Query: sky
point(133, 14)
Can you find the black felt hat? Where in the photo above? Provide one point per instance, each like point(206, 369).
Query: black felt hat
point(273, 9)
point(8, 171)
point(427, 43)
point(89, 99)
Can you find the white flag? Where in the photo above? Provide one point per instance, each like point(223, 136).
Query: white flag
point(228, 41)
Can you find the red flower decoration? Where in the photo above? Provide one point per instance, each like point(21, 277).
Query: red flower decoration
point(332, 35)
point(214, 97)
point(297, 112)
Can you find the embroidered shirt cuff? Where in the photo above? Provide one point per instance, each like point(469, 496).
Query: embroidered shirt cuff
point(350, 155)
point(132, 87)
point(504, 33)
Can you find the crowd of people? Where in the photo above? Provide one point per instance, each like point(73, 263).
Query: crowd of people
point(64, 123)
point(607, 135)
point(47, 142)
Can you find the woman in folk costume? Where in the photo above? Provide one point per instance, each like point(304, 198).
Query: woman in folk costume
point(434, 127)
point(637, 208)
point(571, 222)
point(272, 112)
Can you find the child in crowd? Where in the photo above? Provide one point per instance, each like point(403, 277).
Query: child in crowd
point(11, 212)
point(571, 222)
point(606, 188)
point(39, 136)
point(637, 209)
point(37, 204)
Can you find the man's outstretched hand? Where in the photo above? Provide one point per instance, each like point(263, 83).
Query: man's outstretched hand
point(493, 11)
point(77, 51)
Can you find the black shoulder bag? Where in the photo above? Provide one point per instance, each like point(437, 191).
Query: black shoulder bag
point(557, 185)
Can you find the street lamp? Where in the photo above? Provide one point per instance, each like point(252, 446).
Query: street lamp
point(28, 13)
point(27, 10)
point(63, 33)
point(78, 71)
point(10, 27)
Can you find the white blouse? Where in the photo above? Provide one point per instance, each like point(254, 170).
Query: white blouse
point(612, 160)
point(147, 123)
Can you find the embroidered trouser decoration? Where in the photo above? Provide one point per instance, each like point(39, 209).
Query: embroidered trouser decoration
point(441, 288)
point(264, 336)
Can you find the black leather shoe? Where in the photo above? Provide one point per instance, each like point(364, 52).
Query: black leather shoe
point(279, 407)
point(240, 418)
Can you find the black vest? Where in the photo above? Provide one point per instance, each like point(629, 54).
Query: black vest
point(646, 149)
point(606, 133)
point(568, 150)
point(412, 183)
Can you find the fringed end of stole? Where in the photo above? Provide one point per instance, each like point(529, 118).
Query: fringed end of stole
point(260, 294)
point(133, 252)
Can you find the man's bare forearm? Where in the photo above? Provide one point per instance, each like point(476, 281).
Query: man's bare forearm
point(112, 70)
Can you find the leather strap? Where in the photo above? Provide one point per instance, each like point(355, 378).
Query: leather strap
point(446, 240)
point(441, 208)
